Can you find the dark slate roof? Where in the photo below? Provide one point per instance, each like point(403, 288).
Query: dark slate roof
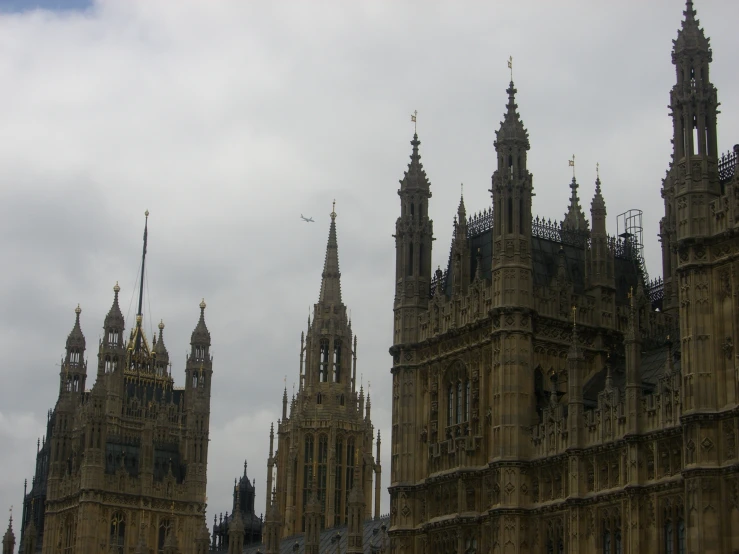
point(372, 537)
point(653, 363)
point(545, 259)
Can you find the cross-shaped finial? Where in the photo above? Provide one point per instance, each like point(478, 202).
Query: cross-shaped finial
point(414, 120)
point(572, 165)
point(510, 66)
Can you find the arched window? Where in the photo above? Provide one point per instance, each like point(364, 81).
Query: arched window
point(108, 364)
point(69, 536)
point(680, 536)
point(510, 215)
point(413, 210)
point(165, 527)
point(318, 398)
point(341, 400)
point(669, 538)
point(323, 362)
point(349, 481)
point(450, 406)
point(421, 258)
point(307, 472)
point(606, 542)
point(467, 401)
point(460, 400)
point(322, 475)
point(337, 360)
point(117, 533)
point(339, 457)
point(410, 259)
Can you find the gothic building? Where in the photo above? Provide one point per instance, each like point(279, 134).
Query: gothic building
point(123, 465)
point(549, 397)
point(243, 503)
point(323, 467)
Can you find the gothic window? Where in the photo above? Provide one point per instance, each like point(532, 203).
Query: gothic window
point(606, 542)
point(341, 400)
point(117, 533)
point(349, 481)
point(450, 406)
point(695, 135)
point(510, 215)
point(510, 165)
point(108, 364)
point(520, 215)
point(307, 472)
point(74, 356)
point(413, 211)
point(322, 474)
point(319, 399)
point(669, 538)
point(337, 481)
point(468, 388)
point(323, 362)
point(410, 259)
point(337, 360)
point(76, 383)
point(112, 337)
point(421, 258)
point(194, 379)
point(164, 530)
point(680, 536)
point(460, 401)
point(673, 529)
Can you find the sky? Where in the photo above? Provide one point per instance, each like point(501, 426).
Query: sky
point(229, 119)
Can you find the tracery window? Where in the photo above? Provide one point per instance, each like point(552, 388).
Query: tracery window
point(611, 531)
point(117, 533)
point(323, 361)
point(337, 360)
point(673, 528)
point(349, 481)
point(165, 527)
point(338, 479)
point(322, 475)
point(307, 472)
point(68, 544)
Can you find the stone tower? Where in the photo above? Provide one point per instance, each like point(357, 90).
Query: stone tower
point(548, 396)
point(328, 424)
point(127, 459)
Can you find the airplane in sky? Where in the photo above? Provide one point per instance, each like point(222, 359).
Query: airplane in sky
point(306, 219)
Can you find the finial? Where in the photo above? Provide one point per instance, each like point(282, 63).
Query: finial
point(78, 311)
point(461, 185)
point(202, 305)
point(146, 214)
point(161, 324)
point(510, 66)
point(572, 165)
point(414, 118)
point(597, 170)
point(116, 288)
point(244, 468)
point(333, 210)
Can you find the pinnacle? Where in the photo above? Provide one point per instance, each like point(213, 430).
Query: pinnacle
point(76, 337)
point(114, 319)
point(575, 218)
point(200, 334)
point(331, 278)
point(690, 36)
point(415, 176)
point(461, 211)
point(511, 128)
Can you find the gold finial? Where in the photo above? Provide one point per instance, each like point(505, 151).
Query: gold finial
point(161, 324)
point(414, 120)
point(597, 170)
point(116, 288)
point(202, 304)
point(333, 209)
point(510, 66)
point(78, 310)
point(146, 214)
point(461, 185)
point(574, 314)
point(572, 165)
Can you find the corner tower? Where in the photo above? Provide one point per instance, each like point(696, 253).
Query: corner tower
point(413, 236)
point(328, 426)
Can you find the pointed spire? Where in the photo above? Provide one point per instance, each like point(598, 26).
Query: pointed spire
point(200, 334)
point(690, 37)
point(415, 177)
point(331, 278)
point(159, 347)
point(9, 537)
point(598, 205)
point(461, 211)
point(511, 128)
point(114, 319)
point(575, 218)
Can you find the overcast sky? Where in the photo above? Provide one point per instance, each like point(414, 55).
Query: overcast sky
point(228, 119)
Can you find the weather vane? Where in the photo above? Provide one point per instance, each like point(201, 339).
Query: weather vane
point(572, 165)
point(510, 66)
point(414, 117)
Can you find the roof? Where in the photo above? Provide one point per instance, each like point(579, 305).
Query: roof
point(373, 534)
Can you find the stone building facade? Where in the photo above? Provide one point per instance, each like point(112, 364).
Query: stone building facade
point(322, 471)
point(123, 466)
point(548, 397)
point(243, 502)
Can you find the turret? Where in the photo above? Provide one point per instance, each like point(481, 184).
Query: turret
point(599, 262)
point(460, 252)
point(199, 363)
point(74, 367)
point(236, 529)
point(9, 538)
point(111, 345)
point(413, 238)
point(574, 219)
point(161, 356)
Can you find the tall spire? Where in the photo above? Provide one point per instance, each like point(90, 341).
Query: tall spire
point(331, 278)
point(690, 37)
point(511, 128)
point(139, 313)
point(415, 176)
point(76, 339)
point(114, 319)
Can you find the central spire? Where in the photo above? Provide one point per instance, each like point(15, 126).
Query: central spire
point(140, 314)
point(331, 278)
